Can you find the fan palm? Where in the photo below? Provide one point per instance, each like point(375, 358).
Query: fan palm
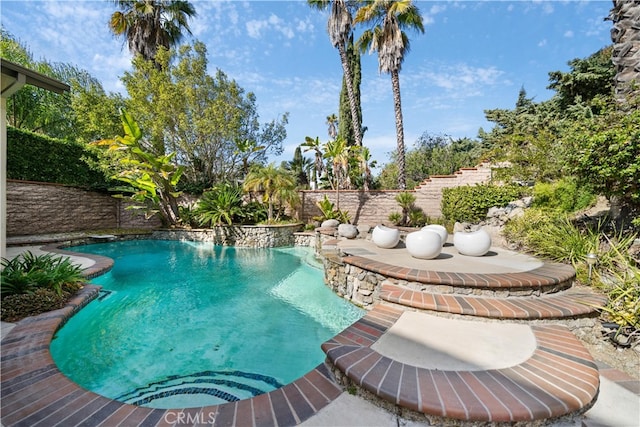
point(276, 184)
point(388, 20)
point(625, 35)
point(339, 27)
point(314, 144)
point(150, 24)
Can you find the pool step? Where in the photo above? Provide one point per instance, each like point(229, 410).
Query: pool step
point(560, 377)
point(215, 386)
point(564, 304)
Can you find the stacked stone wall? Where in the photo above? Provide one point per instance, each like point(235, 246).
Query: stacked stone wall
point(41, 208)
point(246, 236)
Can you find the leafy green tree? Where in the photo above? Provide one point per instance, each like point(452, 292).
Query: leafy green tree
point(148, 25)
point(388, 20)
point(277, 185)
point(586, 79)
point(529, 137)
point(605, 153)
point(338, 154)
point(202, 118)
point(85, 114)
point(152, 178)
point(339, 27)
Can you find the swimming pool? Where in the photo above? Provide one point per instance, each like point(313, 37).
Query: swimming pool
point(184, 324)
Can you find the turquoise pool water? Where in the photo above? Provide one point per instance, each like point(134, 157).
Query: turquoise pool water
point(184, 324)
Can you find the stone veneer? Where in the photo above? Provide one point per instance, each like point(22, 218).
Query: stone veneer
point(246, 236)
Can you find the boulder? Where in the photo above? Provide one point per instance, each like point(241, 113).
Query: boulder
point(347, 230)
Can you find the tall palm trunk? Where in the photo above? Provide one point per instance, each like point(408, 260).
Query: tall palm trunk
point(625, 35)
point(397, 106)
point(357, 132)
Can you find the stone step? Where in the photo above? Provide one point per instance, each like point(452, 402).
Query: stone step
point(548, 278)
point(566, 304)
point(559, 378)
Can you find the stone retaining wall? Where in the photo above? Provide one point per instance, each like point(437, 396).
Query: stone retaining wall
point(41, 208)
point(246, 236)
point(374, 207)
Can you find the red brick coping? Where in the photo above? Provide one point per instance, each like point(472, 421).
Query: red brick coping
point(560, 378)
point(35, 392)
point(567, 304)
point(545, 276)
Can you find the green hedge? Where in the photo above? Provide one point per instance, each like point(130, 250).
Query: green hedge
point(35, 157)
point(471, 203)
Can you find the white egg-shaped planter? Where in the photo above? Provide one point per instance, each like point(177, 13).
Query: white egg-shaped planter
point(473, 243)
point(385, 237)
point(424, 244)
point(444, 235)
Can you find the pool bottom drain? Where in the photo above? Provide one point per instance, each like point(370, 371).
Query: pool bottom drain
point(214, 386)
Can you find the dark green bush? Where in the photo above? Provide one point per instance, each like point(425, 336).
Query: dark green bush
point(27, 273)
point(471, 203)
point(564, 195)
point(35, 157)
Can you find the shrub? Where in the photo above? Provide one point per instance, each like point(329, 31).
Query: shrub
point(221, 204)
point(395, 218)
point(471, 203)
point(327, 207)
point(35, 157)
point(26, 273)
point(564, 195)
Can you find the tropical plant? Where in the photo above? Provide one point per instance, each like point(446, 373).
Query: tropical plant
point(221, 204)
point(329, 211)
point(365, 163)
point(276, 184)
point(406, 201)
point(388, 20)
point(339, 27)
point(300, 167)
point(338, 153)
point(332, 129)
point(28, 272)
point(152, 178)
point(149, 24)
point(314, 144)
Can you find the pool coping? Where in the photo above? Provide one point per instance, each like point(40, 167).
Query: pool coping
point(35, 392)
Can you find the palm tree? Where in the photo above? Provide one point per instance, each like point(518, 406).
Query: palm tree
point(276, 184)
point(363, 157)
point(338, 152)
point(339, 27)
point(625, 35)
point(388, 19)
point(332, 122)
point(314, 144)
point(150, 24)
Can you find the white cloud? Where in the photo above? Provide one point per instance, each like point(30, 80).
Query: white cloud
point(542, 43)
point(568, 34)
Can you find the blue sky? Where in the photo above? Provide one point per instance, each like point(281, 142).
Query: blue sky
point(474, 55)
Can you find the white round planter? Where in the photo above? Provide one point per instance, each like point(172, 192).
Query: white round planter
point(474, 243)
point(385, 237)
point(444, 235)
point(424, 244)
